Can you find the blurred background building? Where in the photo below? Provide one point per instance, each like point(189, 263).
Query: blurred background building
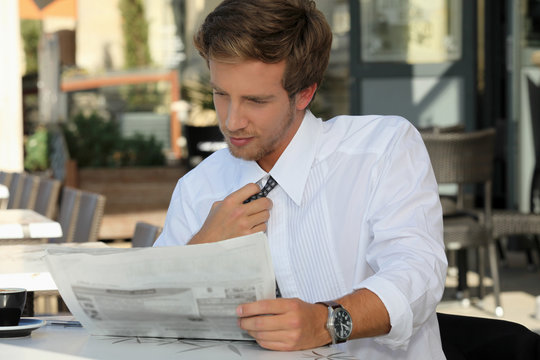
point(472, 63)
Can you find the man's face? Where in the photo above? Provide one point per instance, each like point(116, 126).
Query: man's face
point(254, 111)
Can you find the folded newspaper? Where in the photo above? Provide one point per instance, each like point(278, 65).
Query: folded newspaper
point(181, 292)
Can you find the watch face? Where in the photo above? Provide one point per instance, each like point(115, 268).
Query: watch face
point(342, 324)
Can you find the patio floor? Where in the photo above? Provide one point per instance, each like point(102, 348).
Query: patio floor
point(519, 289)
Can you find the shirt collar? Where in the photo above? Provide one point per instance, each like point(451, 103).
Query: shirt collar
point(292, 168)
point(249, 172)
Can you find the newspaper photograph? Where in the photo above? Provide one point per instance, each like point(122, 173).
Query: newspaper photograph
point(181, 292)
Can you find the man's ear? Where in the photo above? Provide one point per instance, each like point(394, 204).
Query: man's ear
point(304, 97)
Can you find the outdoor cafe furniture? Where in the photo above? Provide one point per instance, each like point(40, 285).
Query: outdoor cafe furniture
point(23, 266)
point(18, 226)
point(4, 196)
point(65, 341)
point(525, 225)
point(465, 159)
point(145, 234)
point(80, 215)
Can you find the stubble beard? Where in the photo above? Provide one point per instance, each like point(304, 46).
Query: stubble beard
point(265, 148)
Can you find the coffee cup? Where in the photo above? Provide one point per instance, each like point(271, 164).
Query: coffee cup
point(12, 302)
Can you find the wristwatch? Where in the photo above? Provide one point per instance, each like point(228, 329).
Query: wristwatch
point(339, 322)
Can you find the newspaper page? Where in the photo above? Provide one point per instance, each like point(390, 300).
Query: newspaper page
point(181, 292)
point(24, 265)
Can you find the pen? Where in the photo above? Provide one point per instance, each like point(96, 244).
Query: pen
point(73, 323)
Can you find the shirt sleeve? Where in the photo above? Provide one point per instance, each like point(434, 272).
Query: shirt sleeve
point(180, 220)
point(407, 251)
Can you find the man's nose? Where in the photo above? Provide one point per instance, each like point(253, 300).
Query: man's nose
point(236, 119)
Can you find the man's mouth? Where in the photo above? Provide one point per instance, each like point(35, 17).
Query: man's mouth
point(240, 141)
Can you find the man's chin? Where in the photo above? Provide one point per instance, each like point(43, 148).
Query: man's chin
point(244, 154)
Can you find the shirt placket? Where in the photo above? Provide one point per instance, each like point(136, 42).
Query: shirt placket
point(278, 238)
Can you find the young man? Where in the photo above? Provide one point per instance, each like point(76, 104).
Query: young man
point(355, 216)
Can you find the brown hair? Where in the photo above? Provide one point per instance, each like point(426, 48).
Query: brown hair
point(270, 31)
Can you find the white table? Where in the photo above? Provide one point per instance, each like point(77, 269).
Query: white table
point(24, 224)
point(59, 342)
point(23, 265)
point(4, 196)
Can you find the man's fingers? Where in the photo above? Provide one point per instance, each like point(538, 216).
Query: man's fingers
point(278, 340)
point(263, 307)
point(264, 323)
point(259, 228)
point(258, 210)
point(283, 324)
point(244, 192)
point(269, 336)
point(275, 345)
point(260, 217)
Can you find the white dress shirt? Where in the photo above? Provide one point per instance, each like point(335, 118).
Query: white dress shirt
point(356, 206)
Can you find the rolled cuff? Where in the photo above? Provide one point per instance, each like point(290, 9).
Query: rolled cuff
point(401, 316)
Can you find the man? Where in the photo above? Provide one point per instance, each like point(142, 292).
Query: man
point(355, 216)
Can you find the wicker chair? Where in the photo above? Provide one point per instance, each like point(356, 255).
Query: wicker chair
point(15, 190)
point(466, 159)
point(145, 234)
point(512, 223)
point(91, 208)
point(67, 214)
point(80, 215)
point(29, 188)
point(5, 178)
point(47, 197)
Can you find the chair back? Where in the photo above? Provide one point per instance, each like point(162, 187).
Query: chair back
point(5, 178)
point(145, 234)
point(67, 215)
point(28, 192)
point(15, 190)
point(461, 157)
point(47, 197)
point(89, 217)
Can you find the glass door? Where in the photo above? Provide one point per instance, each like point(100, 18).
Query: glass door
point(415, 58)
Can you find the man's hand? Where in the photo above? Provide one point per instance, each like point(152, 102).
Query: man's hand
point(231, 217)
point(285, 324)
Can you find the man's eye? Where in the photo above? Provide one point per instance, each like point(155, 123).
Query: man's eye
point(257, 101)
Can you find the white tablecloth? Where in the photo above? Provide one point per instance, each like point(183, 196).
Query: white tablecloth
point(57, 342)
point(27, 224)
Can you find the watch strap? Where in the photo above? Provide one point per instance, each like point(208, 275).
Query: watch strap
point(334, 305)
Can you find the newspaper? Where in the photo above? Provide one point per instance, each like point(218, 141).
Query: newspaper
point(181, 292)
point(24, 265)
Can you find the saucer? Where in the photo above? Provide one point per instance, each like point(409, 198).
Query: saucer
point(25, 327)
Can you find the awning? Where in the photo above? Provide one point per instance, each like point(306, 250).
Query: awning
point(39, 9)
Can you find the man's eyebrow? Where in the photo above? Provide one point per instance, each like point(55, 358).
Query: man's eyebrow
point(261, 97)
point(215, 87)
